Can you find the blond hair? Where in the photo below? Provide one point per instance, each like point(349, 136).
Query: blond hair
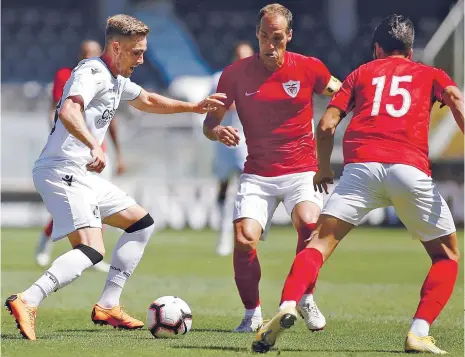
point(126, 26)
point(274, 10)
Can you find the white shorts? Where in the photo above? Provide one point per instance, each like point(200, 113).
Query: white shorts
point(77, 198)
point(258, 196)
point(366, 186)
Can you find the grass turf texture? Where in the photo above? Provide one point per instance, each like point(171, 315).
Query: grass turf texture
point(368, 292)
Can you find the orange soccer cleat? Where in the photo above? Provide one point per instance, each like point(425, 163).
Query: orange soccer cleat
point(115, 317)
point(25, 316)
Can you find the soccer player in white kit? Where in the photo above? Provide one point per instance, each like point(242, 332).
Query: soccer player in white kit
point(229, 162)
point(78, 201)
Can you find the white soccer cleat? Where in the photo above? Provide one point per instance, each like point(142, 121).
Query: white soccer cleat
point(312, 316)
point(249, 324)
point(44, 251)
point(102, 267)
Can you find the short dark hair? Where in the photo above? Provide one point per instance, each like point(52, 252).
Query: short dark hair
point(125, 26)
point(395, 33)
point(276, 9)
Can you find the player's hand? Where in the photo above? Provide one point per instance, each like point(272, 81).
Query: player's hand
point(210, 104)
point(227, 135)
point(321, 180)
point(98, 160)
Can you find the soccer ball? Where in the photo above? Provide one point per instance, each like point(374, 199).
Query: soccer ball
point(169, 317)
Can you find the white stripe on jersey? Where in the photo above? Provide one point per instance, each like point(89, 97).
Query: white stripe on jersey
point(101, 92)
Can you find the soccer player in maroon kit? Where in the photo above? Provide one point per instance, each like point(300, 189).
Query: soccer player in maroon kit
point(272, 92)
point(386, 163)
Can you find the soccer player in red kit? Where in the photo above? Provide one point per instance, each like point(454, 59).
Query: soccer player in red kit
point(272, 92)
point(386, 163)
point(89, 48)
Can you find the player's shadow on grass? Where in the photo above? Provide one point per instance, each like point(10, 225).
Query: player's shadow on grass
point(215, 348)
point(246, 349)
point(19, 337)
point(84, 330)
point(211, 330)
point(236, 349)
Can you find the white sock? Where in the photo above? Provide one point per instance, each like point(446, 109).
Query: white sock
point(306, 299)
point(286, 304)
point(257, 312)
point(64, 270)
point(126, 256)
point(420, 327)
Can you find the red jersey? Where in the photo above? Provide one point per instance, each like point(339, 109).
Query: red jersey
point(59, 81)
point(391, 100)
point(276, 111)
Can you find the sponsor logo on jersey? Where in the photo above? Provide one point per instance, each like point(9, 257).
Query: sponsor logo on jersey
point(292, 88)
point(107, 115)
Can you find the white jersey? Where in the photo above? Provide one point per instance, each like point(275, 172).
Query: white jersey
point(101, 92)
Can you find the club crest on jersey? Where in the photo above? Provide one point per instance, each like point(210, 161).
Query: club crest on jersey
point(292, 88)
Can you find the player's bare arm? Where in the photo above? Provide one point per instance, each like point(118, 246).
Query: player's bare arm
point(332, 87)
point(324, 144)
point(158, 104)
point(71, 116)
point(453, 98)
point(214, 131)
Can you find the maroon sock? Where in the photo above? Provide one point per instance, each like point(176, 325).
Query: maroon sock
point(303, 274)
point(303, 234)
point(48, 229)
point(247, 275)
point(437, 289)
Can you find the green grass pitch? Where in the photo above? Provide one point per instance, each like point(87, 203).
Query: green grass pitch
point(368, 292)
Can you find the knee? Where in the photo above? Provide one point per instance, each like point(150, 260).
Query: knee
point(450, 254)
point(246, 238)
point(304, 217)
point(95, 255)
point(145, 223)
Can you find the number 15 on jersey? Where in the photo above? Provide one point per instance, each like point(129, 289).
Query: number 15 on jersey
point(394, 90)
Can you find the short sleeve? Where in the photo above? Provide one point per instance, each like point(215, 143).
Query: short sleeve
point(131, 90)
point(226, 85)
point(82, 83)
point(320, 74)
point(441, 81)
point(344, 97)
point(59, 81)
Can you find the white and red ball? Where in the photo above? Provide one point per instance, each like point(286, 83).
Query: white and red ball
point(169, 317)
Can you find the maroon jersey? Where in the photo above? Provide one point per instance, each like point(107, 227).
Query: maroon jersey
point(276, 112)
point(391, 100)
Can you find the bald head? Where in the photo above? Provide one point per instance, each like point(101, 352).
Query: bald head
point(90, 48)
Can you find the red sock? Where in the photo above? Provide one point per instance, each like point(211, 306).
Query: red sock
point(303, 274)
point(303, 234)
point(437, 289)
point(49, 228)
point(247, 274)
